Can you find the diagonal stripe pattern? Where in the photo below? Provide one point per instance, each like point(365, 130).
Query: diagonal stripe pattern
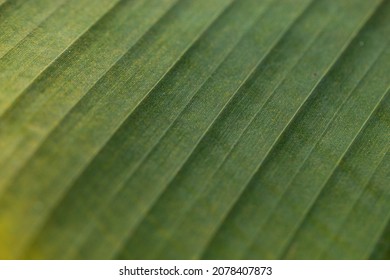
point(180, 129)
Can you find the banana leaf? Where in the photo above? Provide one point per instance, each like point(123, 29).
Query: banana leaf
point(194, 129)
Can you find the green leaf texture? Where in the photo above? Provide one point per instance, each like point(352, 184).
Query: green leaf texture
point(194, 129)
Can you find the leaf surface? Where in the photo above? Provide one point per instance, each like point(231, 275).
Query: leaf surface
point(180, 129)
